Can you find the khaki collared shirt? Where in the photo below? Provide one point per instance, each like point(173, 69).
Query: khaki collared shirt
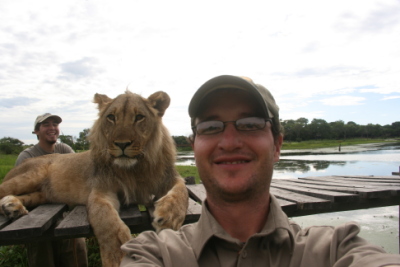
point(280, 243)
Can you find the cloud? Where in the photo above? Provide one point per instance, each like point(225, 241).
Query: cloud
point(343, 101)
point(391, 97)
point(83, 68)
point(17, 101)
point(384, 18)
point(380, 18)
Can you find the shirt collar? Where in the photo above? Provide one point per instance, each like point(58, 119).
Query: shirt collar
point(208, 227)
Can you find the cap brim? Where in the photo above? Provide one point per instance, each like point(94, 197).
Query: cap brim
point(223, 81)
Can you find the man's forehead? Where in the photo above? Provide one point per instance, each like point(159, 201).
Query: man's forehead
point(222, 99)
point(51, 119)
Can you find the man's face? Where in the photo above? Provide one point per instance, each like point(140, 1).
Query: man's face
point(235, 165)
point(48, 131)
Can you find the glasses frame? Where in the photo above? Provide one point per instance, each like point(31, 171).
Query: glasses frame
point(194, 128)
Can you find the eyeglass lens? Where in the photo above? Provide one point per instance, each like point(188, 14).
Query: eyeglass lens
point(245, 124)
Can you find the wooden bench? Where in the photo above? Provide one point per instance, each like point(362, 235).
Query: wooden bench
point(303, 196)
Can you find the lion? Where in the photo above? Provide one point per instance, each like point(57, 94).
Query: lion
point(131, 160)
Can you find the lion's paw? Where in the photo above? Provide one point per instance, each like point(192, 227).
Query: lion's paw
point(12, 207)
point(170, 212)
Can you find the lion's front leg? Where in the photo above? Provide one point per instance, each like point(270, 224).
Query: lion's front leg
point(170, 210)
point(109, 229)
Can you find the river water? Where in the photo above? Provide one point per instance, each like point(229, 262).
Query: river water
point(378, 225)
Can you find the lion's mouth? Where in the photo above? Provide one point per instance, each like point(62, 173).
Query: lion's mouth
point(138, 156)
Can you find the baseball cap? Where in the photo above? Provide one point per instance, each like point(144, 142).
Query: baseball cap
point(43, 117)
point(261, 94)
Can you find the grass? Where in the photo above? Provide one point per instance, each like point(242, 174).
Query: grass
point(186, 171)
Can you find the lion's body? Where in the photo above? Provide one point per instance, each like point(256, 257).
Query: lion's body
point(131, 160)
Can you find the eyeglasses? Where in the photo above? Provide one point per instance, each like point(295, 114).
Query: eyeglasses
point(245, 124)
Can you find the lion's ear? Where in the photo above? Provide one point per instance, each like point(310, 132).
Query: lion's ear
point(101, 100)
point(160, 101)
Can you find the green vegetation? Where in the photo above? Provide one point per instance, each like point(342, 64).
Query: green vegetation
point(186, 171)
point(9, 145)
point(6, 164)
point(312, 144)
point(301, 130)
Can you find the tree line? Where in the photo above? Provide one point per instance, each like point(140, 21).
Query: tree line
point(301, 130)
point(294, 130)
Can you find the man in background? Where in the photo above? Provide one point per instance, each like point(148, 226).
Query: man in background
point(66, 252)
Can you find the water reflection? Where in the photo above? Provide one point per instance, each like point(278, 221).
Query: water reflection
point(372, 159)
point(304, 166)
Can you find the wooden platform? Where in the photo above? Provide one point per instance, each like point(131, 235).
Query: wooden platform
point(303, 196)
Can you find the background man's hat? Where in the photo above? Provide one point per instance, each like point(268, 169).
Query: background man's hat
point(43, 117)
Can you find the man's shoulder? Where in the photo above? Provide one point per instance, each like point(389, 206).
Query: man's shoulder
point(29, 152)
point(63, 148)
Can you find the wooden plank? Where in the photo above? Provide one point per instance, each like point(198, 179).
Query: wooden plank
point(35, 223)
point(333, 196)
point(287, 206)
point(75, 223)
point(303, 202)
point(131, 215)
point(373, 177)
point(359, 190)
point(394, 188)
point(358, 181)
point(3, 221)
point(193, 212)
point(197, 192)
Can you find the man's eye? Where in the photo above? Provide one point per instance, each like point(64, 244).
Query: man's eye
point(248, 126)
point(210, 129)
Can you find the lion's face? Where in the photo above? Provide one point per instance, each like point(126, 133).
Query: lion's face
point(127, 123)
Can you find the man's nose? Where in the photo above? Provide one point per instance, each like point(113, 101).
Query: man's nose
point(230, 138)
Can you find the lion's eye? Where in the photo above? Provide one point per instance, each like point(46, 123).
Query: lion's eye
point(139, 117)
point(111, 117)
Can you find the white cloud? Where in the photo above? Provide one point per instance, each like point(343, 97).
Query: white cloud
point(343, 101)
point(391, 97)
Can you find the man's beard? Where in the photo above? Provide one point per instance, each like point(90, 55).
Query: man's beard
point(52, 142)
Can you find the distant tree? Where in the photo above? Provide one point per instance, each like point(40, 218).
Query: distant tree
point(351, 129)
point(338, 130)
point(396, 129)
point(320, 129)
point(67, 139)
point(289, 129)
point(181, 141)
point(82, 142)
point(9, 145)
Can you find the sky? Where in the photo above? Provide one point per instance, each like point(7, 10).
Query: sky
point(331, 60)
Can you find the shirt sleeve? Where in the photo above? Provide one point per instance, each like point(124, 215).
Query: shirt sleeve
point(142, 251)
point(339, 247)
point(21, 157)
point(352, 250)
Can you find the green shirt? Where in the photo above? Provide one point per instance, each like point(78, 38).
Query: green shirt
point(280, 243)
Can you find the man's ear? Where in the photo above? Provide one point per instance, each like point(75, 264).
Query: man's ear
point(278, 146)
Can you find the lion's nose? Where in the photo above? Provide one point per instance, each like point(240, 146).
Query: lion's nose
point(122, 145)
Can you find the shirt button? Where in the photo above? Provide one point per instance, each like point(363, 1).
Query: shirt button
point(244, 254)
